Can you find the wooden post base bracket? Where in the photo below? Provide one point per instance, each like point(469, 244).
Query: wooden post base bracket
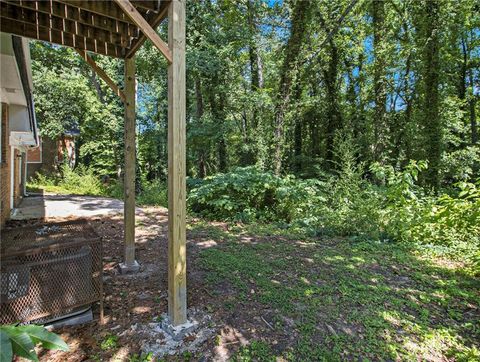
point(129, 268)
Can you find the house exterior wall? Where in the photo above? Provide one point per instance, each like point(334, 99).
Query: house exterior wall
point(5, 168)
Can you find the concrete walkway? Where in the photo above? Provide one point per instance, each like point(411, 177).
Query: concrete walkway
point(49, 205)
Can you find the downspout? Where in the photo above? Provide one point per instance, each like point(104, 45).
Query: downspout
point(25, 170)
point(12, 176)
point(21, 58)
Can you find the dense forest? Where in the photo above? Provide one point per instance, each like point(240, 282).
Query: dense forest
point(350, 117)
point(281, 85)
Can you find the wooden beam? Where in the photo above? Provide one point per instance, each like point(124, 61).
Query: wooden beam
point(129, 176)
point(177, 252)
point(108, 8)
point(101, 73)
point(75, 14)
point(154, 23)
point(61, 38)
point(104, 8)
point(145, 27)
point(28, 16)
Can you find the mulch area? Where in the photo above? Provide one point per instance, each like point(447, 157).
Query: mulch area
point(142, 298)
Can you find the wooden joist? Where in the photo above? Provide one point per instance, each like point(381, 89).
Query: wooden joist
point(28, 16)
point(115, 28)
point(145, 27)
point(76, 14)
point(61, 38)
point(101, 73)
point(107, 8)
point(104, 8)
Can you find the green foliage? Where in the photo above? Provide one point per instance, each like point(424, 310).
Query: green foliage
point(247, 194)
point(21, 340)
point(109, 342)
point(81, 181)
point(395, 208)
point(153, 193)
point(142, 357)
point(255, 351)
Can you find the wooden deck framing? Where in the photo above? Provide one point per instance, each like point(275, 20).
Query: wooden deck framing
point(118, 28)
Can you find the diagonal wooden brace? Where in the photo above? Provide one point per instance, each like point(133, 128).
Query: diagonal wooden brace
point(101, 73)
point(145, 27)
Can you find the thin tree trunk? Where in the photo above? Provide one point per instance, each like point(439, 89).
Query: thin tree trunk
point(96, 85)
point(404, 135)
point(334, 117)
point(202, 171)
point(473, 116)
point(218, 113)
point(379, 78)
point(297, 134)
point(462, 84)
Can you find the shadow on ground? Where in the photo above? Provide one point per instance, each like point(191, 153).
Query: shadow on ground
point(272, 297)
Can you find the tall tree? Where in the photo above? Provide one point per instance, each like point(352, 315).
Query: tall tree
point(431, 78)
point(299, 20)
point(379, 78)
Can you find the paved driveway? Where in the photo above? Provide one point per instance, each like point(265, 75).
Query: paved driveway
point(39, 206)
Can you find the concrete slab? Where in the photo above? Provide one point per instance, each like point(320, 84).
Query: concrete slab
point(51, 206)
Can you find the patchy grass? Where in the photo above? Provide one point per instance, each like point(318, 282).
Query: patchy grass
point(337, 299)
point(109, 342)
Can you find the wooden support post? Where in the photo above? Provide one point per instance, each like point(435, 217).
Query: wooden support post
point(177, 252)
point(129, 264)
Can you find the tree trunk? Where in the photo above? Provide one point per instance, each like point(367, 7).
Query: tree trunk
point(473, 117)
point(379, 78)
point(96, 85)
point(431, 66)
point(334, 117)
point(218, 113)
point(202, 170)
point(287, 74)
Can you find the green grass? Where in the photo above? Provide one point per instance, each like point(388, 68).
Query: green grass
point(109, 342)
point(348, 300)
point(84, 182)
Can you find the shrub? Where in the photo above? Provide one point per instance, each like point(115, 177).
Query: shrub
point(448, 221)
point(153, 193)
point(80, 181)
point(247, 194)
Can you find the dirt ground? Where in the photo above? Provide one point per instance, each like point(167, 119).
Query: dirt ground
point(142, 298)
point(272, 296)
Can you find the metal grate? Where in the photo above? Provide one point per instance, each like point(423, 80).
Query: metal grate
point(50, 270)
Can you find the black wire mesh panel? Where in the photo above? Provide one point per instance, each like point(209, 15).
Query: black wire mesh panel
point(49, 270)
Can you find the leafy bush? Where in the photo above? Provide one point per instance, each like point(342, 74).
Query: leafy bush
point(153, 193)
point(394, 208)
point(247, 194)
point(21, 341)
point(352, 206)
point(80, 181)
point(449, 221)
point(460, 165)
